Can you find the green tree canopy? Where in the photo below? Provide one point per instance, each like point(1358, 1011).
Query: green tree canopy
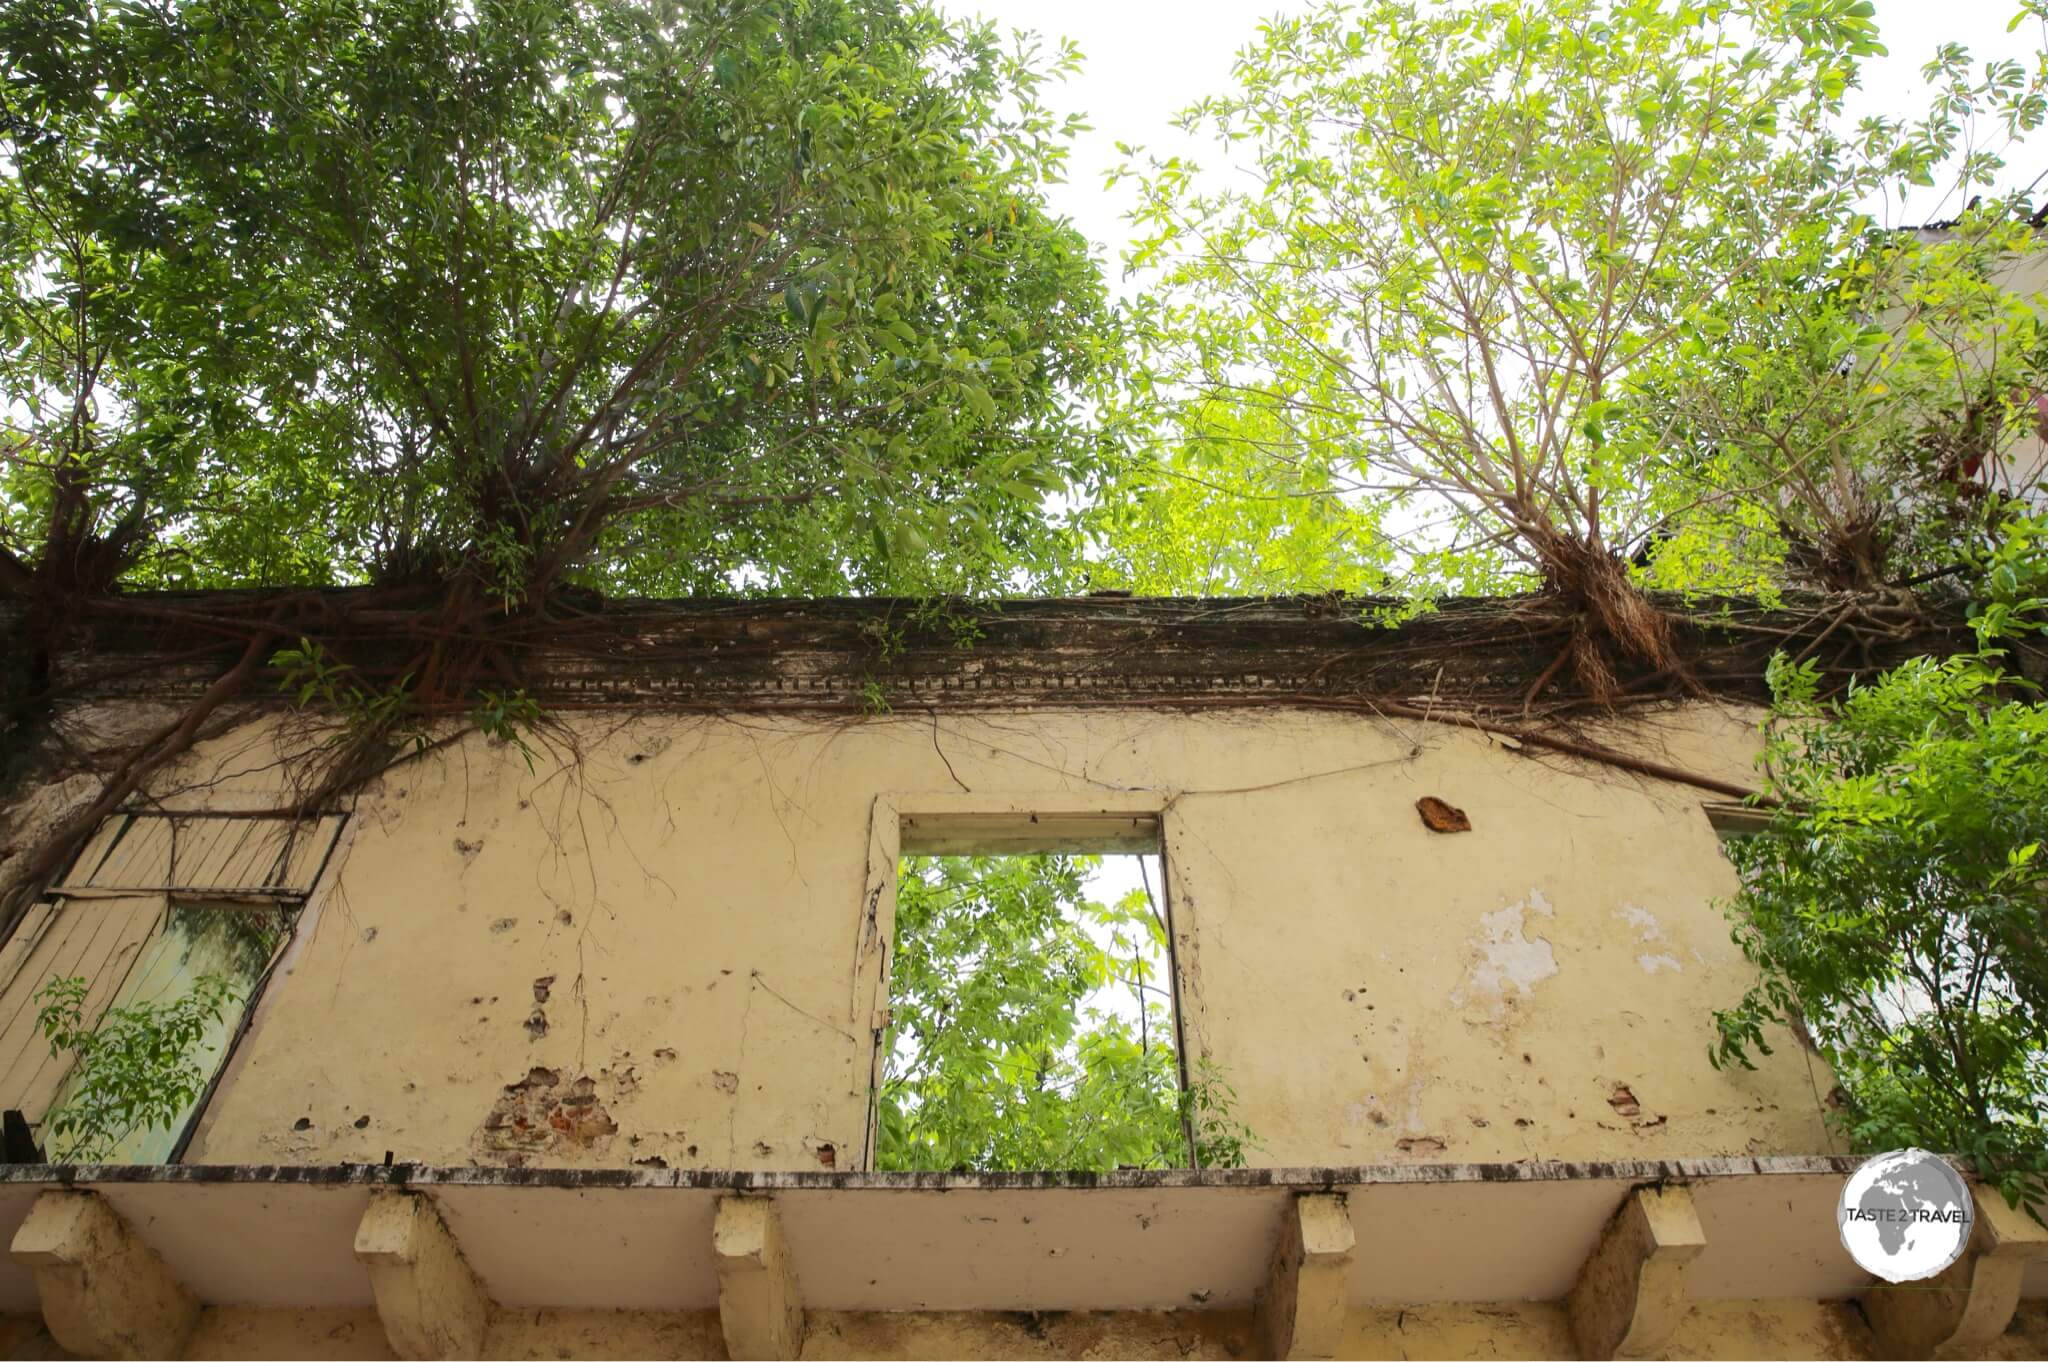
point(1894, 905)
point(652, 298)
point(1001, 1052)
point(1515, 295)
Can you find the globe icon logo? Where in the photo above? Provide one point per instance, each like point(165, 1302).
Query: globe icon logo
point(1906, 1215)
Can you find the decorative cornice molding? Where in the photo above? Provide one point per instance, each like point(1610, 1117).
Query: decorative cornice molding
point(850, 654)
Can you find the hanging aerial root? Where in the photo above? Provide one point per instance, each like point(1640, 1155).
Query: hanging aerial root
point(1616, 626)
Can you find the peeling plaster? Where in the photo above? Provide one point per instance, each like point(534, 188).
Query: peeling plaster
point(546, 1114)
point(1649, 931)
point(1643, 920)
point(1508, 961)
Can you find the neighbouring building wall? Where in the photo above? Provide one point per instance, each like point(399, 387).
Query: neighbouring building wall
point(657, 946)
point(2019, 470)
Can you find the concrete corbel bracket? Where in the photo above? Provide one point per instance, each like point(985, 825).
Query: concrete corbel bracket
point(1960, 1312)
point(1630, 1296)
point(759, 1306)
point(1301, 1309)
point(104, 1292)
point(431, 1303)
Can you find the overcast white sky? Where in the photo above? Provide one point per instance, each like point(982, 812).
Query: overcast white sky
point(1146, 59)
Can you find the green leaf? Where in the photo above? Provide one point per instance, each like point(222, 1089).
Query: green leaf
point(979, 401)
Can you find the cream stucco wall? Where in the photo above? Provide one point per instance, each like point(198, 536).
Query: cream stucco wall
point(658, 949)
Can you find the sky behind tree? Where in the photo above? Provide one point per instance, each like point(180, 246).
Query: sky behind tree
point(1148, 59)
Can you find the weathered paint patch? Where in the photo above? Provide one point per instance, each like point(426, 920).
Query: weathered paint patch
point(1643, 920)
point(1508, 963)
point(545, 1113)
point(1649, 931)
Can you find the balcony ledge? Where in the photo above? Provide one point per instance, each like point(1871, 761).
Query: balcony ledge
point(641, 1238)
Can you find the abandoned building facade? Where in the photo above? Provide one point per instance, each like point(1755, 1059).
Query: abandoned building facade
point(573, 1050)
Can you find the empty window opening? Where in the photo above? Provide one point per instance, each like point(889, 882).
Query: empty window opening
point(1032, 1020)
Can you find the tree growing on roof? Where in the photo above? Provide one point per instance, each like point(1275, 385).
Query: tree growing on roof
point(1497, 273)
point(500, 307)
point(503, 299)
